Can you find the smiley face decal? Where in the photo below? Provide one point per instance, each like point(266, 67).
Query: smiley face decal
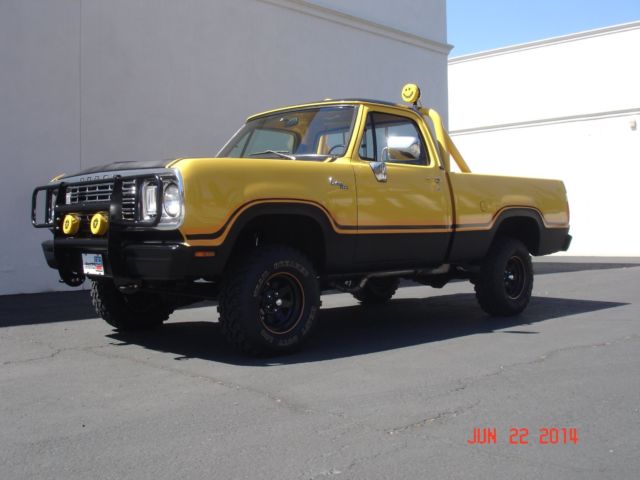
point(410, 93)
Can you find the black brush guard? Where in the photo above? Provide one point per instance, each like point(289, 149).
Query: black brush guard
point(126, 262)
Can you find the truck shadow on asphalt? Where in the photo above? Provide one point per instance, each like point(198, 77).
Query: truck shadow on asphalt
point(356, 330)
point(38, 308)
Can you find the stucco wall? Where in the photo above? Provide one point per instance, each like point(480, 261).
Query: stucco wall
point(90, 82)
point(564, 108)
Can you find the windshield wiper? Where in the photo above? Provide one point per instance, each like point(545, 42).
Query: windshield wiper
point(274, 152)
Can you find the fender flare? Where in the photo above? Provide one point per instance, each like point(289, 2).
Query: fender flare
point(338, 249)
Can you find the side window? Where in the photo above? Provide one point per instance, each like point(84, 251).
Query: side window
point(333, 143)
point(393, 139)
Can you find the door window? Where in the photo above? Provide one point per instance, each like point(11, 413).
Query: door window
point(393, 139)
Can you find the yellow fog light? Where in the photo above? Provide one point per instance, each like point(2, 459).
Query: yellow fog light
point(71, 224)
point(99, 224)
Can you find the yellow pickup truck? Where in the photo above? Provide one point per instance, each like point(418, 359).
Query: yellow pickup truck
point(348, 194)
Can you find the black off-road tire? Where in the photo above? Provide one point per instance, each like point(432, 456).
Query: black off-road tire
point(504, 284)
point(129, 312)
point(269, 301)
point(377, 290)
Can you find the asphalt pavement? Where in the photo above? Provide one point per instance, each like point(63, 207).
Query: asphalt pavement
point(392, 392)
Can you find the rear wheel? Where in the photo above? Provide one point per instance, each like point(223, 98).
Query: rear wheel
point(377, 290)
point(504, 284)
point(269, 301)
point(136, 311)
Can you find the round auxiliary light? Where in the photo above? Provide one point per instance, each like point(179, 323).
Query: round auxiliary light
point(171, 201)
point(411, 93)
point(99, 224)
point(70, 224)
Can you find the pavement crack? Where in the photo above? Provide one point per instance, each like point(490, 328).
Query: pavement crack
point(56, 351)
point(370, 458)
point(325, 473)
point(552, 353)
point(439, 417)
point(34, 359)
point(275, 399)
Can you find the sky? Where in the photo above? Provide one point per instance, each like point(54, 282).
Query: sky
point(479, 25)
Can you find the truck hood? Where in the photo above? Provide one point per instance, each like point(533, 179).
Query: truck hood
point(118, 166)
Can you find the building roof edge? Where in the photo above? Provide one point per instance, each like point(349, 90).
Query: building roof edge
point(547, 42)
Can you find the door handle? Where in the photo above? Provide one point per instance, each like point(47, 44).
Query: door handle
point(435, 179)
point(379, 170)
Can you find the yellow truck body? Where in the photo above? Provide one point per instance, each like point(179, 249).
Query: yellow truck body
point(362, 190)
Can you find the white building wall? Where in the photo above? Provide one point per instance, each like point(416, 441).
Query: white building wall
point(564, 108)
point(86, 82)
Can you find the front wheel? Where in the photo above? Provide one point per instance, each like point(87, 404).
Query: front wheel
point(504, 284)
point(269, 301)
point(136, 311)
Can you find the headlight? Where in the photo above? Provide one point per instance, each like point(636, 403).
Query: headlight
point(172, 202)
point(171, 208)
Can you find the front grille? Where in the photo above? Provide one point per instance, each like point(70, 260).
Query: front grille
point(101, 192)
point(129, 203)
point(96, 192)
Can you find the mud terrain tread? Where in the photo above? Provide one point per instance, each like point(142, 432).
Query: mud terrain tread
point(488, 284)
point(231, 299)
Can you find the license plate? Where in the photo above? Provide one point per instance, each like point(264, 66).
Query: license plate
point(92, 264)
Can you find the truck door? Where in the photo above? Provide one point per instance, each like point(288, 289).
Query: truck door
point(403, 201)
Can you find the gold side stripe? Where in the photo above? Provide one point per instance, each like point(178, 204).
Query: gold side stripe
point(219, 236)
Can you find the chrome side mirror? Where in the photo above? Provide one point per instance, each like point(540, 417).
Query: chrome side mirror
point(379, 169)
point(401, 149)
point(385, 153)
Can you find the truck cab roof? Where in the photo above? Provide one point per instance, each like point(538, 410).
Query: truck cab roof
point(331, 101)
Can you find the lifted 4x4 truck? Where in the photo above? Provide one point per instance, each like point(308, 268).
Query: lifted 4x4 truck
point(339, 194)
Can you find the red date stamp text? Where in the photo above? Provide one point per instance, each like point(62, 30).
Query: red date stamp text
point(524, 436)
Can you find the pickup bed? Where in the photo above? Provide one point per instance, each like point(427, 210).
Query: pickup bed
point(341, 194)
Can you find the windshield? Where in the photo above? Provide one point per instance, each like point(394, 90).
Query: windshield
point(311, 134)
